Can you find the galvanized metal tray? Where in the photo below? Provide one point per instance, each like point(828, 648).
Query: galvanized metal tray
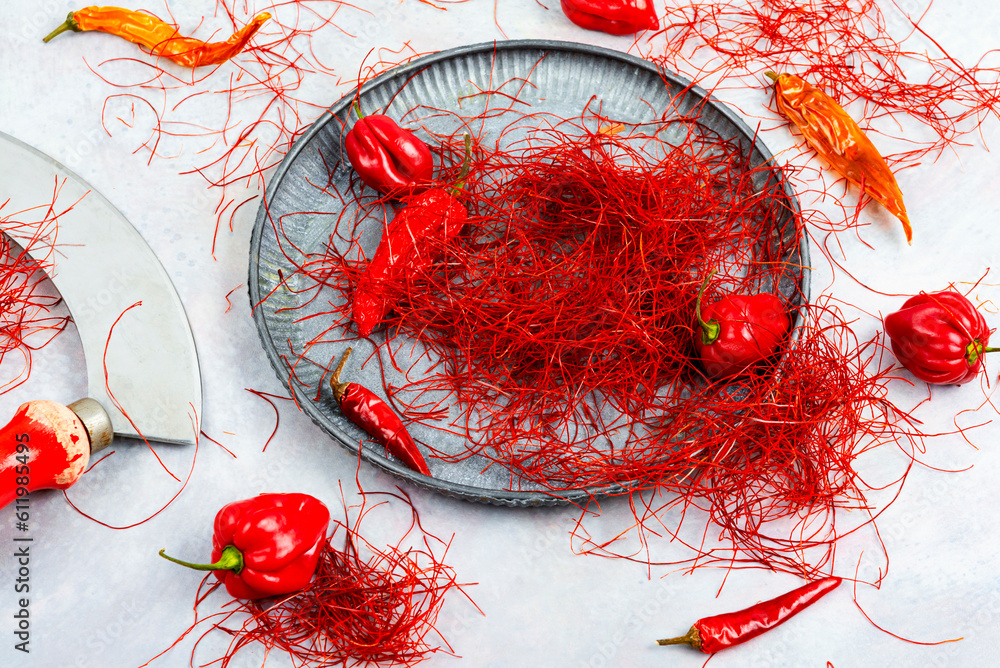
point(555, 79)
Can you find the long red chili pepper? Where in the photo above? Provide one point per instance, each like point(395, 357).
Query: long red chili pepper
point(939, 337)
point(387, 157)
point(738, 331)
point(365, 409)
point(712, 634)
point(411, 241)
point(615, 17)
point(161, 38)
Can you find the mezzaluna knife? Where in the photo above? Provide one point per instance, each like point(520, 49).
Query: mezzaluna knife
point(102, 267)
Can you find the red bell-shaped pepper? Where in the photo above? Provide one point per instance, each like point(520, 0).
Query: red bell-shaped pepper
point(387, 157)
point(615, 17)
point(939, 337)
point(267, 545)
point(410, 243)
point(738, 331)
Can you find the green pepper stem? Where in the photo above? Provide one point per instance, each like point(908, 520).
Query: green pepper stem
point(69, 24)
point(357, 109)
point(459, 184)
point(692, 638)
point(975, 350)
point(709, 330)
point(231, 559)
point(335, 384)
point(771, 75)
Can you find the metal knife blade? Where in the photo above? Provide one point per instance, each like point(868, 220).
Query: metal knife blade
point(102, 267)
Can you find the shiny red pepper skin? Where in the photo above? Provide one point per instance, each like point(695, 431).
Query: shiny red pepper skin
point(615, 17)
point(939, 337)
point(365, 409)
point(738, 331)
point(712, 634)
point(387, 157)
point(279, 539)
point(410, 243)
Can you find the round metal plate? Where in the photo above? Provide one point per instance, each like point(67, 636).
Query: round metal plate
point(555, 79)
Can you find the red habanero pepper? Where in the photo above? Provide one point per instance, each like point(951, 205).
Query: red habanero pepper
point(712, 634)
point(615, 17)
point(365, 409)
point(161, 38)
point(410, 243)
point(387, 157)
point(267, 545)
point(939, 337)
point(738, 331)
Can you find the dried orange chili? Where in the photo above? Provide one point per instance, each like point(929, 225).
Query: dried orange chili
point(162, 39)
point(832, 133)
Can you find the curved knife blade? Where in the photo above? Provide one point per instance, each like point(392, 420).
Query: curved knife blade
point(102, 267)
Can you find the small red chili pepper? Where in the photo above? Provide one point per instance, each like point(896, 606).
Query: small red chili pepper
point(267, 545)
point(387, 157)
point(410, 243)
point(615, 17)
point(161, 38)
point(365, 409)
point(939, 337)
point(712, 634)
point(738, 331)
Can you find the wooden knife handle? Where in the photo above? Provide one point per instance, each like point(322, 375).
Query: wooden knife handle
point(47, 445)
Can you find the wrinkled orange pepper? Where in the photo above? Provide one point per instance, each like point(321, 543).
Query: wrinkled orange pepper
point(162, 39)
point(834, 135)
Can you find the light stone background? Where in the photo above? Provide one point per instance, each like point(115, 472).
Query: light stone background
point(102, 598)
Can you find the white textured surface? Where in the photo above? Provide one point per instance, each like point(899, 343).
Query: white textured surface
point(102, 598)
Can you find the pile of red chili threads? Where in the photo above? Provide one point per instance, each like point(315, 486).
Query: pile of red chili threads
point(571, 298)
point(367, 605)
point(847, 48)
point(772, 459)
point(560, 322)
point(26, 323)
point(554, 335)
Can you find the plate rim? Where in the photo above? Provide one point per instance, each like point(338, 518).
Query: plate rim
point(510, 498)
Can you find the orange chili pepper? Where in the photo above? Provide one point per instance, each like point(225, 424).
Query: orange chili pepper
point(834, 135)
point(162, 39)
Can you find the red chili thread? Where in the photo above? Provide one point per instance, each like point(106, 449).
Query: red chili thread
point(26, 324)
point(846, 47)
point(187, 479)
